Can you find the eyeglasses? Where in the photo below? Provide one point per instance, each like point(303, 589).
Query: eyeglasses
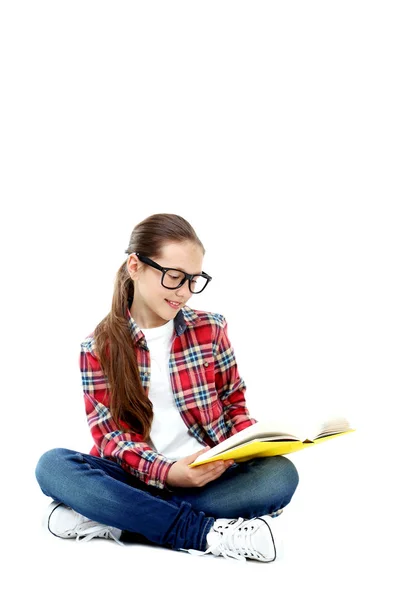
point(171, 277)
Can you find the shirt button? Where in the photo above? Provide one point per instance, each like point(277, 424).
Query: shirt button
point(206, 364)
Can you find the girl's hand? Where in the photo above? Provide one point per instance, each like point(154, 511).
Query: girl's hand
point(181, 475)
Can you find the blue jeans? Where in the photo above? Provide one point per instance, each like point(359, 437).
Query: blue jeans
point(101, 490)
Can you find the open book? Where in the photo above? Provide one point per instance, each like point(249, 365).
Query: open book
point(271, 439)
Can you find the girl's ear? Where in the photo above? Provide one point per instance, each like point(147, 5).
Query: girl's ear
point(133, 264)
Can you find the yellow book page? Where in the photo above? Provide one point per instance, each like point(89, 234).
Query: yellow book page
point(255, 449)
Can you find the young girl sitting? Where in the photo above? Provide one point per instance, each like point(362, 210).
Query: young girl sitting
point(161, 385)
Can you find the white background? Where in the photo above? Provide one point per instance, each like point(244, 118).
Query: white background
point(273, 127)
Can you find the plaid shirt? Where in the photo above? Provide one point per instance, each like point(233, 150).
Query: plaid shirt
point(207, 387)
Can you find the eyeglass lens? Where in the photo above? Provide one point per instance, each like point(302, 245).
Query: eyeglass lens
point(172, 279)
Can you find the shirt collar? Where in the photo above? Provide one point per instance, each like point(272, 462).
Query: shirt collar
point(185, 318)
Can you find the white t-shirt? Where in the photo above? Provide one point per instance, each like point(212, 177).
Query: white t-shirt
point(169, 435)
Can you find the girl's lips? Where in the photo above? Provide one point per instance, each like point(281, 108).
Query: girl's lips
point(173, 305)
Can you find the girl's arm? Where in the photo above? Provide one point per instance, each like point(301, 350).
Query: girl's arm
point(229, 385)
point(128, 449)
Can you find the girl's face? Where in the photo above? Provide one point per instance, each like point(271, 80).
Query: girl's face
point(150, 307)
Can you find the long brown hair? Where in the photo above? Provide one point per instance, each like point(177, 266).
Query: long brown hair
point(114, 345)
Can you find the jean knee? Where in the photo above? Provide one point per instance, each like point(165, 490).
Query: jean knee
point(48, 464)
point(290, 474)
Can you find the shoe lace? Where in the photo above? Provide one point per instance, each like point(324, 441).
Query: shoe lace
point(88, 530)
point(235, 541)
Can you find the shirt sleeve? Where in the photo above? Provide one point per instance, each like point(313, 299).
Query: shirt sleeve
point(128, 449)
point(229, 385)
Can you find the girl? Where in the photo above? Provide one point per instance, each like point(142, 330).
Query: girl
point(161, 386)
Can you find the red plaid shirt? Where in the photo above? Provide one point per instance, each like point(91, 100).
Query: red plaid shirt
point(207, 387)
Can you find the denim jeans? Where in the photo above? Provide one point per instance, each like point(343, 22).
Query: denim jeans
point(180, 518)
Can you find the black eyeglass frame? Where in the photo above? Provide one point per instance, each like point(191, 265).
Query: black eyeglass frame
point(188, 277)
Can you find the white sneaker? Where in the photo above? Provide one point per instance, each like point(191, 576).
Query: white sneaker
point(241, 538)
point(64, 522)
